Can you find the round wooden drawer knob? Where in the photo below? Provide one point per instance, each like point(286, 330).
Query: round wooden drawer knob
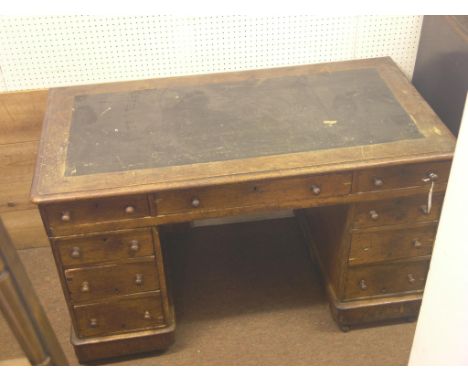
point(378, 182)
point(139, 279)
point(363, 285)
point(195, 202)
point(373, 214)
point(315, 189)
point(85, 287)
point(93, 323)
point(66, 216)
point(129, 210)
point(411, 279)
point(134, 246)
point(417, 243)
point(75, 253)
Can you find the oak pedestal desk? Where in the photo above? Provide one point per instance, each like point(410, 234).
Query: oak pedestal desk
point(351, 147)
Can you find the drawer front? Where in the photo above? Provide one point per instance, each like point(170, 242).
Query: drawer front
point(375, 280)
point(111, 246)
point(370, 247)
point(136, 312)
point(63, 215)
point(253, 193)
point(397, 211)
point(104, 281)
point(403, 176)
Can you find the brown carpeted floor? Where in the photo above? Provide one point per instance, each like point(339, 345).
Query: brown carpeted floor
point(245, 294)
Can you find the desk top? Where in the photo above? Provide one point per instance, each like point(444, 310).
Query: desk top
point(140, 136)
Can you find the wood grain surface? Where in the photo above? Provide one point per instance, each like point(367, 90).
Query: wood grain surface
point(123, 175)
point(21, 118)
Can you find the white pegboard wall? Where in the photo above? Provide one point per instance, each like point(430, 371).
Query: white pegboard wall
point(42, 52)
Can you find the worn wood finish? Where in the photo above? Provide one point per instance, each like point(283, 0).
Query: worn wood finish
point(83, 211)
point(269, 193)
point(392, 278)
point(397, 211)
point(196, 214)
point(361, 313)
point(326, 232)
point(102, 248)
point(97, 349)
point(391, 244)
point(108, 290)
point(416, 175)
point(51, 183)
point(389, 293)
point(110, 280)
point(134, 312)
point(129, 156)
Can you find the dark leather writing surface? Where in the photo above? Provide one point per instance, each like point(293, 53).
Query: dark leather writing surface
point(235, 120)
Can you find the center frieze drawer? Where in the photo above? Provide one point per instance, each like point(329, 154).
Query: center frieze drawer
point(264, 192)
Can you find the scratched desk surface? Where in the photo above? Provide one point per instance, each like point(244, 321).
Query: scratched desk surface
point(233, 120)
point(213, 126)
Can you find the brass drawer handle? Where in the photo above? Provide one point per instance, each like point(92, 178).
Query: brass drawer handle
point(315, 189)
point(93, 323)
point(417, 243)
point(195, 202)
point(373, 214)
point(134, 246)
point(85, 287)
point(431, 177)
point(147, 315)
point(411, 278)
point(363, 285)
point(139, 279)
point(129, 210)
point(75, 253)
point(378, 182)
point(66, 216)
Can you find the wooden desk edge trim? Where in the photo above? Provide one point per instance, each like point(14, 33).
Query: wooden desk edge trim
point(38, 198)
point(100, 227)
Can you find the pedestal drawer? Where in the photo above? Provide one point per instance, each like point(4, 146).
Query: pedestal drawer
point(397, 211)
point(390, 244)
point(375, 280)
point(109, 246)
point(105, 281)
point(134, 312)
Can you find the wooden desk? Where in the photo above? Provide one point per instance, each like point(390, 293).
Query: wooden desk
point(117, 162)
